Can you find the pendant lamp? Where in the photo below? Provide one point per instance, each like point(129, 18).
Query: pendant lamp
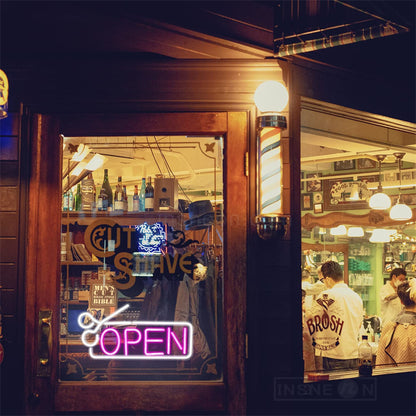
point(355, 232)
point(400, 212)
point(380, 200)
point(340, 230)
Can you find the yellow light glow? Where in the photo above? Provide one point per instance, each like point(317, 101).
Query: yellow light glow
point(271, 96)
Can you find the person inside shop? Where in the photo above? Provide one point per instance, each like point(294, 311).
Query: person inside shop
point(311, 289)
point(308, 350)
point(390, 303)
point(335, 319)
point(397, 343)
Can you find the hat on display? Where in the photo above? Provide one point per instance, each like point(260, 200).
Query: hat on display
point(201, 215)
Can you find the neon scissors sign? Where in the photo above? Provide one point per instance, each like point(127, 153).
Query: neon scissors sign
point(140, 340)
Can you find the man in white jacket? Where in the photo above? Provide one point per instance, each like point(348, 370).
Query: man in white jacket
point(390, 303)
point(335, 319)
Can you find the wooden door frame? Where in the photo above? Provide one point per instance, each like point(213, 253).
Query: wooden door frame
point(43, 267)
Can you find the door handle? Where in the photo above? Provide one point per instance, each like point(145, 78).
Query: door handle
point(44, 343)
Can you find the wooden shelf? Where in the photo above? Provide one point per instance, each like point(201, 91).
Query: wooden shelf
point(173, 218)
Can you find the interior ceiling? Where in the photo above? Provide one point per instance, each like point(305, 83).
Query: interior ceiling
point(319, 151)
point(195, 161)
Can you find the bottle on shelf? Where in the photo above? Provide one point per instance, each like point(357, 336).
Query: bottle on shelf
point(118, 196)
point(75, 293)
point(365, 356)
point(149, 195)
point(142, 196)
point(136, 199)
point(63, 329)
point(65, 202)
point(78, 198)
point(125, 200)
point(108, 191)
point(70, 200)
point(102, 200)
point(88, 193)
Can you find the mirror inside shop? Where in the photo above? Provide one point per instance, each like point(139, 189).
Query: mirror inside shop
point(141, 258)
point(358, 204)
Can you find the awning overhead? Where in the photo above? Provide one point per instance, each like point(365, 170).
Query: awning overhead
point(312, 25)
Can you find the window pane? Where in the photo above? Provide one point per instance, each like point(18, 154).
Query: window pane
point(141, 256)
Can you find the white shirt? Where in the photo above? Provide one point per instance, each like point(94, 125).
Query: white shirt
point(389, 308)
point(334, 322)
point(311, 290)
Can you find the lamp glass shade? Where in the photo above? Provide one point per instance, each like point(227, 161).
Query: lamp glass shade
point(380, 201)
point(271, 96)
point(380, 235)
point(340, 230)
point(355, 232)
point(401, 212)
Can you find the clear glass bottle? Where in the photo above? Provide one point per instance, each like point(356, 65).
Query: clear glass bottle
point(65, 202)
point(365, 357)
point(142, 196)
point(149, 195)
point(118, 196)
point(136, 199)
point(70, 200)
point(125, 201)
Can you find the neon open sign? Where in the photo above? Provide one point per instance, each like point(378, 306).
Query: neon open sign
point(140, 340)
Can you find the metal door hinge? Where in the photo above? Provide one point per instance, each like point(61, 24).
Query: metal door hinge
point(246, 164)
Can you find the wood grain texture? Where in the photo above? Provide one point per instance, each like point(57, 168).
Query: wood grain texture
point(42, 256)
point(141, 397)
point(236, 215)
point(151, 123)
point(42, 273)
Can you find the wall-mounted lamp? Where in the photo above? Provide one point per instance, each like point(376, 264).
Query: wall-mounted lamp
point(271, 98)
point(4, 94)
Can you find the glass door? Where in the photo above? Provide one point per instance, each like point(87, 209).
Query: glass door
point(134, 282)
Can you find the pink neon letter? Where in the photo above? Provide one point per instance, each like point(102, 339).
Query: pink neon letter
point(104, 350)
point(172, 335)
point(127, 341)
point(147, 340)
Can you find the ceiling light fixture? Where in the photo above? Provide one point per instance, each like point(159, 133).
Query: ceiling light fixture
point(381, 235)
point(81, 151)
point(340, 230)
point(355, 232)
point(96, 162)
point(380, 200)
point(400, 212)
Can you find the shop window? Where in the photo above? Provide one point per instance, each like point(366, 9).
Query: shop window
point(141, 259)
point(340, 171)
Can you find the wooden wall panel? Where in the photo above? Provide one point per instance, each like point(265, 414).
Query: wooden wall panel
point(235, 278)
point(10, 263)
point(8, 223)
point(8, 273)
